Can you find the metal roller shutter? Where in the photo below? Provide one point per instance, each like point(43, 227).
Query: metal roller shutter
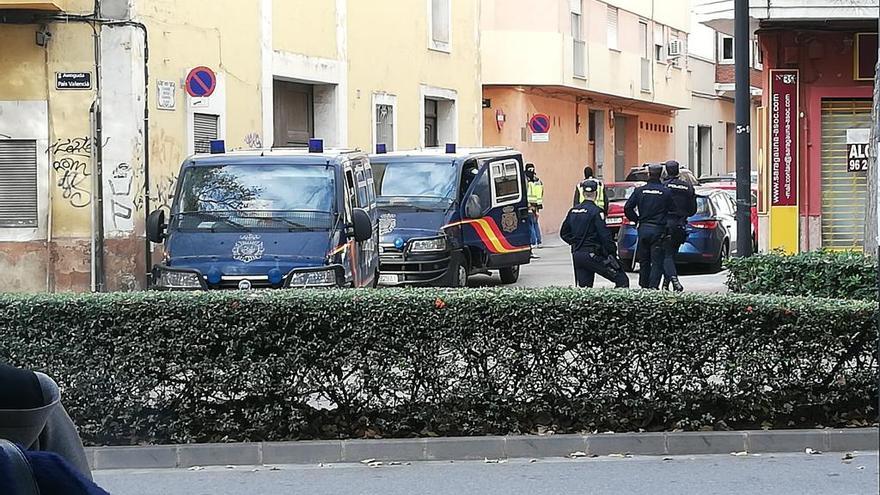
point(205, 129)
point(18, 183)
point(843, 193)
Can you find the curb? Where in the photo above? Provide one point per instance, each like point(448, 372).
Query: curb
point(479, 448)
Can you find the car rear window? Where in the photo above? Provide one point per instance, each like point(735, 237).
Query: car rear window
point(703, 208)
point(619, 193)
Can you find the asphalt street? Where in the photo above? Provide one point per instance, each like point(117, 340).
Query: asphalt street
point(553, 268)
point(789, 474)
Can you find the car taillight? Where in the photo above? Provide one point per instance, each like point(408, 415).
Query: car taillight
point(705, 224)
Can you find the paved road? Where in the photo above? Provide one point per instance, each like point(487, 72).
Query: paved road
point(553, 268)
point(792, 474)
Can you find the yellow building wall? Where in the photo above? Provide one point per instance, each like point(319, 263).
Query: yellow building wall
point(387, 55)
point(301, 26)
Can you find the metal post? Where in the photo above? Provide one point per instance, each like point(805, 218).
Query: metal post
point(743, 101)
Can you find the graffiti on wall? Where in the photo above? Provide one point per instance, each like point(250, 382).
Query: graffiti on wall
point(253, 141)
point(70, 162)
point(121, 203)
point(161, 194)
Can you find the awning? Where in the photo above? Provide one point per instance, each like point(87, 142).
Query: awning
point(51, 6)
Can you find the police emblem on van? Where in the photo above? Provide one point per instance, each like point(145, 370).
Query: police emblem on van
point(508, 219)
point(387, 223)
point(248, 248)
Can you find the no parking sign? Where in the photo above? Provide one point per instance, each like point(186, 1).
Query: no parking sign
point(201, 82)
point(540, 127)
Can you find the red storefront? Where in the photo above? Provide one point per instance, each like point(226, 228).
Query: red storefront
point(833, 66)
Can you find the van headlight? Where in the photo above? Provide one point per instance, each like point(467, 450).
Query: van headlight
point(165, 278)
point(326, 277)
point(428, 245)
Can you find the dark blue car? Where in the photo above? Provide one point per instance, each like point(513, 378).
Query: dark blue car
point(711, 233)
point(269, 219)
point(444, 215)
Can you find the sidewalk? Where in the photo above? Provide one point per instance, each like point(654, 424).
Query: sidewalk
point(480, 448)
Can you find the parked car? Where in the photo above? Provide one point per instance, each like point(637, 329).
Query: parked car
point(640, 174)
point(711, 233)
point(710, 179)
point(730, 189)
point(616, 193)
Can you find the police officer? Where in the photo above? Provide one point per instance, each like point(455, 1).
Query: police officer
point(592, 248)
point(649, 207)
point(684, 206)
point(601, 201)
point(535, 193)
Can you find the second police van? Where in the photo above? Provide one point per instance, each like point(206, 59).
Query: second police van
point(447, 214)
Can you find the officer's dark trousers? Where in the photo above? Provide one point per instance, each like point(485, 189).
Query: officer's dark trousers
point(650, 255)
point(587, 265)
point(671, 245)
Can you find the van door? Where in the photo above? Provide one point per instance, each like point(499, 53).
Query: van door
point(494, 214)
point(367, 251)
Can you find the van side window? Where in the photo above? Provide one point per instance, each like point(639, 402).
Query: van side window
point(371, 188)
point(506, 182)
point(362, 189)
point(482, 190)
point(468, 173)
point(350, 195)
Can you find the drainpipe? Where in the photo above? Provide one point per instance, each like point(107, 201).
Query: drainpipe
point(98, 154)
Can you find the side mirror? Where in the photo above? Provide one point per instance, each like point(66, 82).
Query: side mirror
point(473, 208)
point(156, 227)
point(362, 225)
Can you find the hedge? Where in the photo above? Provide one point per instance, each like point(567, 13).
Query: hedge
point(843, 275)
point(280, 365)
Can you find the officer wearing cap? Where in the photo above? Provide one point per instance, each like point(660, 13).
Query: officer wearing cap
point(649, 207)
point(684, 206)
point(592, 247)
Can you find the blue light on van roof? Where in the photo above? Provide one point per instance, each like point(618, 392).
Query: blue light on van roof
point(218, 147)
point(450, 148)
point(275, 276)
point(316, 145)
point(381, 149)
point(398, 243)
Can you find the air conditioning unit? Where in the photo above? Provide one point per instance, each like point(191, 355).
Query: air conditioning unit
point(675, 48)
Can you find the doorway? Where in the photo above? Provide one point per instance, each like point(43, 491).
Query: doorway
point(294, 113)
point(620, 158)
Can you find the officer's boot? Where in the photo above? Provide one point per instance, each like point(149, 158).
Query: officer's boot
point(676, 284)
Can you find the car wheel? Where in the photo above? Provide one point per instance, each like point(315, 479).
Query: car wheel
point(457, 275)
point(722, 257)
point(509, 274)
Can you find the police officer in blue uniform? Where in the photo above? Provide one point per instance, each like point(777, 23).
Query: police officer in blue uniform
point(649, 208)
point(684, 201)
point(592, 247)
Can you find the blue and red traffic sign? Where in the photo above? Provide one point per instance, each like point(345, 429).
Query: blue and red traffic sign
point(201, 82)
point(539, 123)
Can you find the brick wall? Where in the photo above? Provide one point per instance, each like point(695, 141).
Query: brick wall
point(726, 74)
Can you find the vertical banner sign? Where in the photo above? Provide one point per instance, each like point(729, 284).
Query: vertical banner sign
point(858, 150)
point(783, 137)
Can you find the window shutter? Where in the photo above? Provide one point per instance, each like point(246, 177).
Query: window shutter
point(206, 128)
point(18, 183)
point(440, 21)
point(612, 27)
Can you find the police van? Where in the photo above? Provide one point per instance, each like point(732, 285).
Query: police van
point(277, 219)
point(446, 214)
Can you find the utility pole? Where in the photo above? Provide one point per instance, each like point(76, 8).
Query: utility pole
point(743, 99)
point(872, 213)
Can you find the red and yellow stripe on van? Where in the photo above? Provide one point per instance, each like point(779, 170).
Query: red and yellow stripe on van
point(491, 235)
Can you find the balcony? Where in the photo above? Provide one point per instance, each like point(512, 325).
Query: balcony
point(49, 6)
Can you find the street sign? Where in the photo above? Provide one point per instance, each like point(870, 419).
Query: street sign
point(539, 123)
point(784, 142)
point(73, 80)
point(201, 82)
point(167, 97)
point(858, 149)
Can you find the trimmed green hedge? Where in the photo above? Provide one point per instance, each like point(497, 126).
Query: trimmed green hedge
point(206, 367)
point(841, 275)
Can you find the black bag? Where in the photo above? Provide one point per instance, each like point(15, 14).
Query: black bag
point(22, 481)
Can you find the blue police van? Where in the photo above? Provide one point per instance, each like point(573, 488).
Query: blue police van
point(277, 218)
point(447, 214)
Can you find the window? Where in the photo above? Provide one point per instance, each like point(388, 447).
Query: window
point(659, 43)
point(612, 28)
point(578, 46)
point(439, 16)
point(757, 55)
point(431, 135)
point(363, 197)
point(646, 57)
point(506, 182)
point(725, 49)
point(18, 183)
point(205, 129)
point(385, 126)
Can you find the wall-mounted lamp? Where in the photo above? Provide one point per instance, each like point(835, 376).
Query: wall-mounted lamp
point(43, 35)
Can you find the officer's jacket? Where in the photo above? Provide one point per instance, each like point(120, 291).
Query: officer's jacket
point(600, 195)
point(654, 202)
point(535, 190)
point(584, 228)
point(684, 201)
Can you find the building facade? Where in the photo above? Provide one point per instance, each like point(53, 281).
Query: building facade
point(819, 60)
point(609, 77)
point(96, 117)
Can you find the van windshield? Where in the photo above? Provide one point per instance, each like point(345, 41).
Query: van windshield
point(426, 182)
point(256, 197)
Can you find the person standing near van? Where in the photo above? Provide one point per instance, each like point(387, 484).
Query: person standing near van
point(649, 207)
point(535, 192)
point(684, 206)
point(592, 248)
point(601, 200)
